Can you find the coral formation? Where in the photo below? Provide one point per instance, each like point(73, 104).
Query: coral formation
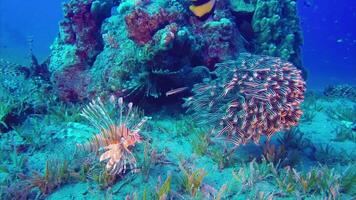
point(141, 26)
point(154, 51)
point(270, 28)
point(79, 40)
point(159, 45)
point(242, 6)
point(243, 69)
point(72, 83)
point(252, 96)
point(220, 41)
point(277, 31)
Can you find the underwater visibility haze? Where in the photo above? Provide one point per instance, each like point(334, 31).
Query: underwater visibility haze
point(177, 99)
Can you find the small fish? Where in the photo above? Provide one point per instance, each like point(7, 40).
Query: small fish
point(175, 91)
point(202, 8)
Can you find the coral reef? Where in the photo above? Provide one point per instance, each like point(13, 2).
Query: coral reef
point(243, 71)
point(276, 25)
point(141, 26)
point(252, 96)
point(155, 50)
point(220, 41)
point(270, 28)
point(79, 39)
point(159, 46)
point(72, 83)
point(78, 43)
point(242, 6)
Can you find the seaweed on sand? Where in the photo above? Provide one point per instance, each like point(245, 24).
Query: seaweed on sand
point(66, 112)
point(191, 180)
point(251, 173)
point(290, 145)
point(200, 142)
point(274, 153)
point(103, 178)
point(56, 173)
point(327, 154)
point(344, 133)
point(310, 107)
point(294, 139)
point(348, 180)
point(318, 181)
point(163, 190)
point(223, 158)
point(151, 157)
point(343, 113)
point(5, 109)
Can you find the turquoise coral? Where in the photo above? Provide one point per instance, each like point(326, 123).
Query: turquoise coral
point(277, 30)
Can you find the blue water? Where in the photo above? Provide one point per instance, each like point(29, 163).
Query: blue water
point(329, 29)
point(329, 51)
point(21, 20)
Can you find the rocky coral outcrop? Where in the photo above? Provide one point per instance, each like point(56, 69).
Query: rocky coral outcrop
point(270, 28)
point(220, 41)
point(149, 54)
point(142, 26)
point(79, 40)
point(150, 47)
point(242, 6)
point(277, 30)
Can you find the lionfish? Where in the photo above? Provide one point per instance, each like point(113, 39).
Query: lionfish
point(116, 136)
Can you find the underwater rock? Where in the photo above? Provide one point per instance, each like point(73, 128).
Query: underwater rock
point(148, 53)
point(164, 38)
point(79, 40)
point(220, 41)
point(344, 91)
point(101, 9)
point(277, 31)
point(251, 96)
point(149, 64)
point(116, 67)
point(191, 76)
point(142, 26)
point(148, 48)
point(71, 84)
